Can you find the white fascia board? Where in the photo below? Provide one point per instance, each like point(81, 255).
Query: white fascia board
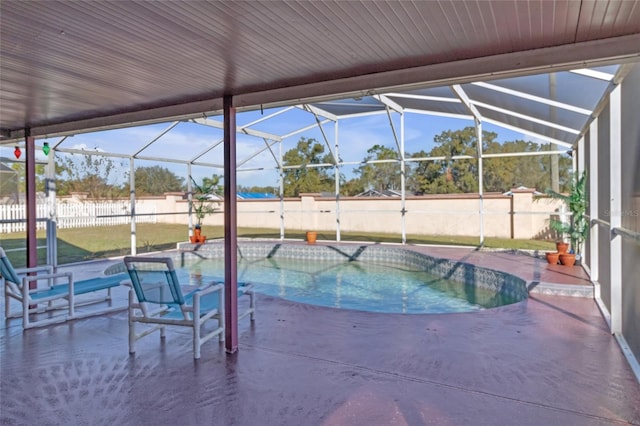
point(533, 98)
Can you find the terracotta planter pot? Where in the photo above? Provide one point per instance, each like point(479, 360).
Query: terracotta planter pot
point(552, 258)
point(312, 236)
point(562, 247)
point(567, 259)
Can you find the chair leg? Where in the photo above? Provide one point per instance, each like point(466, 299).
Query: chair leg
point(7, 305)
point(132, 326)
point(196, 327)
point(252, 304)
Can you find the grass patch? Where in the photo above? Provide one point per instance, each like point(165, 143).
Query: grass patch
point(82, 244)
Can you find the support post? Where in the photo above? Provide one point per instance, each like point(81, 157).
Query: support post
point(30, 172)
point(615, 207)
point(230, 228)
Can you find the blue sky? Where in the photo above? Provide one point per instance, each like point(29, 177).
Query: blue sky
point(186, 140)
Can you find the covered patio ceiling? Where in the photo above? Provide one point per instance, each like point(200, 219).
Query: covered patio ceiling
point(70, 67)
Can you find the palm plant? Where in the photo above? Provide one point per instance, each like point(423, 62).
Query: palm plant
point(576, 201)
point(202, 203)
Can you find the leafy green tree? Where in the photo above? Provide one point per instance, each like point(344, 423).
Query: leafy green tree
point(448, 175)
point(500, 174)
point(503, 173)
point(380, 176)
point(157, 180)
point(307, 179)
point(21, 177)
point(352, 187)
point(97, 175)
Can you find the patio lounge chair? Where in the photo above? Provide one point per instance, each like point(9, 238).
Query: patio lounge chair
point(53, 291)
point(156, 297)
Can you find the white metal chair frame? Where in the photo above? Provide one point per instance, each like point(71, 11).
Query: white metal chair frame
point(176, 309)
point(52, 296)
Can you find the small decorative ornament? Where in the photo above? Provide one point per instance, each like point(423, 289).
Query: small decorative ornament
point(17, 152)
point(46, 148)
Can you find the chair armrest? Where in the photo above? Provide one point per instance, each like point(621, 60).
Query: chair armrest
point(30, 278)
point(45, 268)
point(209, 288)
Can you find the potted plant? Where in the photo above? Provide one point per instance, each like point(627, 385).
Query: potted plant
point(578, 226)
point(203, 204)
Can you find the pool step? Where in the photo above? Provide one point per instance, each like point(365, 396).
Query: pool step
point(555, 289)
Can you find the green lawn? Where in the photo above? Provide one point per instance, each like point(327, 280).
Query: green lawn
point(80, 244)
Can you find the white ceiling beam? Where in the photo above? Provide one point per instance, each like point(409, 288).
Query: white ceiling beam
point(251, 132)
point(161, 134)
point(389, 103)
point(544, 138)
point(422, 97)
point(462, 95)
point(318, 111)
point(527, 117)
point(304, 129)
point(533, 98)
point(593, 74)
point(439, 114)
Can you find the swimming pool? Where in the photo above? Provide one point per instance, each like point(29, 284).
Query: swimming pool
point(366, 278)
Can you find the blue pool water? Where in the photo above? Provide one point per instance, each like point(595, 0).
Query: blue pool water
point(355, 285)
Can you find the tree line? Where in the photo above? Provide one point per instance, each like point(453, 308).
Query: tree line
point(308, 168)
point(437, 171)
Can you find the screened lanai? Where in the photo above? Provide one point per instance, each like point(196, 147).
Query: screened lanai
point(563, 73)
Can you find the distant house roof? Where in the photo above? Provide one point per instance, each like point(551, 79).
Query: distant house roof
point(522, 189)
point(6, 169)
point(254, 195)
point(383, 193)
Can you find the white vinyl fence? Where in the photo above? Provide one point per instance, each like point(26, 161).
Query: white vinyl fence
point(75, 215)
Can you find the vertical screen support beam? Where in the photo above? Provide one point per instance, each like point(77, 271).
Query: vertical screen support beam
point(52, 221)
point(403, 182)
point(30, 171)
point(281, 190)
point(337, 178)
point(594, 247)
point(190, 200)
point(615, 207)
point(132, 201)
point(230, 228)
point(480, 180)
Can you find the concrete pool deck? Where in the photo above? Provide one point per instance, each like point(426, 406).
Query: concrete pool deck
point(547, 360)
